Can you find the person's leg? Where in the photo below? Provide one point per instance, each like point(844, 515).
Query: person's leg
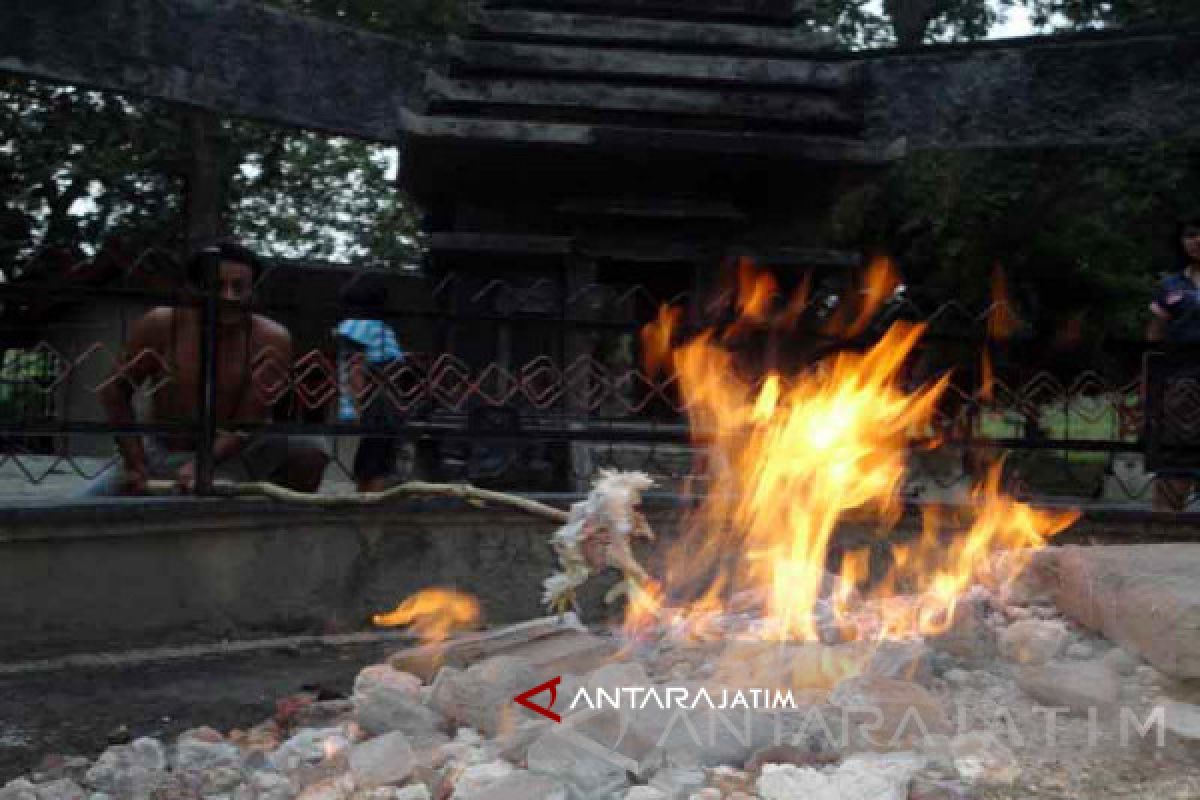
point(110, 482)
point(293, 462)
point(373, 462)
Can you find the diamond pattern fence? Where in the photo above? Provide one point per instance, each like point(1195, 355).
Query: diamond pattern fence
point(517, 382)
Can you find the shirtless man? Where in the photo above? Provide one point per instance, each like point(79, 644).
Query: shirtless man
point(244, 341)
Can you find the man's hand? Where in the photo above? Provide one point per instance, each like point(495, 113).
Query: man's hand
point(133, 481)
point(185, 478)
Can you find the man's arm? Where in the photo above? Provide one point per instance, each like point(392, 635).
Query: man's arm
point(137, 364)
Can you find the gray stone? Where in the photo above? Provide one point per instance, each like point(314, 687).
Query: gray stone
point(1121, 661)
point(676, 783)
point(477, 780)
point(385, 759)
point(1076, 685)
point(1080, 651)
point(957, 677)
point(905, 661)
point(1182, 723)
point(617, 675)
point(981, 758)
point(888, 713)
point(131, 771)
point(384, 709)
point(385, 675)
point(572, 757)
point(1032, 641)
point(1143, 597)
point(514, 745)
point(61, 789)
point(519, 785)
point(482, 695)
point(645, 793)
point(313, 754)
point(18, 789)
point(968, 636)
point(417, 791)
point(265, 785)
point(198, 755)
point(924, 788)
point(859, 778)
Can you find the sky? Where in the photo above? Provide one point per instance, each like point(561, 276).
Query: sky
point(1016, 22)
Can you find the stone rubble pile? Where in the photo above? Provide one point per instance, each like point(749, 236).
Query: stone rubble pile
point(891, 733)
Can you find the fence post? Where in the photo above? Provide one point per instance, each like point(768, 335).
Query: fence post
point(207, 410)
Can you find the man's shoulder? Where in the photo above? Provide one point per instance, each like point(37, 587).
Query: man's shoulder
point(269, 329)
point(156, 320)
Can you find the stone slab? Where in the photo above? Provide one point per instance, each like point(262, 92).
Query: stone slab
point(1144, 597)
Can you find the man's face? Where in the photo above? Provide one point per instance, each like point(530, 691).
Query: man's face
point(235, 284)
point(1191, 242)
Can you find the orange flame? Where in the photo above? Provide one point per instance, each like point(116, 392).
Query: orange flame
point(656, 340)
point(880, 283)
point(795, 456)
point(433, 614)
point(1002, 322)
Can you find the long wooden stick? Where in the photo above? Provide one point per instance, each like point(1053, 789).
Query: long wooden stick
point(463, 491)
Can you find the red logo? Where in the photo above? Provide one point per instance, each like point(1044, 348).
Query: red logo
point(549, 686)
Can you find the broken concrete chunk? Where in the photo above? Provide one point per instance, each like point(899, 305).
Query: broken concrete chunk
point(378, 675)
point(519, 785)
point(385, 759)
point(476, 781)
point(1076, 685)
point(384, 709)
point(968, 636)
point(1144, 597)
point(592, 769)
point(676, 783)
point(980, 758)
point(890, 713)
point(1182, 722)
point(1121, 661)
point(462, 652)
point(1032, 641)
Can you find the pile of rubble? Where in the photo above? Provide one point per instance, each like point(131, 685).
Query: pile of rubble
point(955, 717)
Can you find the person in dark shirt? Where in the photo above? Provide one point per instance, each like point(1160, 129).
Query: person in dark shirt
point(1175, 318)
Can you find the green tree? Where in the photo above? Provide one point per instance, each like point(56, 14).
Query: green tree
point(1083, 14)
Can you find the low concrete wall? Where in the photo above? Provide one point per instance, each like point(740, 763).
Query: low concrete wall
point(121, 574)
point(133, 574)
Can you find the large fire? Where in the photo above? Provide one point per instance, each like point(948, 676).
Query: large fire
point(789, 459)
point(792, 457)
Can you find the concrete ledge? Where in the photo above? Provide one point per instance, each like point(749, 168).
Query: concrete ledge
point(119, 574)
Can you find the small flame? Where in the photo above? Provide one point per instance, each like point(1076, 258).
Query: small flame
point(1002, 323)
point(755, 291)
point(656, 340)
point(433, 614)
point(880, 284)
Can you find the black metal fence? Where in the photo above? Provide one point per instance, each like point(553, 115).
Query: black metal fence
point(526, 382)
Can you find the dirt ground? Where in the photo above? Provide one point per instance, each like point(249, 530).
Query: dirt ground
point(74, 711)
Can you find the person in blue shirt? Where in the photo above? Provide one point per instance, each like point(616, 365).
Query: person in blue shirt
point(1175, 318)
point(367, 347)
